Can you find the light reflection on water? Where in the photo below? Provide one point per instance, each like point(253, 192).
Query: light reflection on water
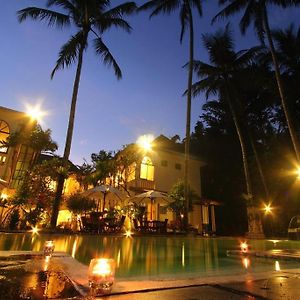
point(153, 257)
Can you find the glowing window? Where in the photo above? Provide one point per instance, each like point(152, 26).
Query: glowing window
point(4, 133)
point(147, 169)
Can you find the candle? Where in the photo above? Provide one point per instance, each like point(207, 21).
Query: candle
point(101, 275)
point(244, 247)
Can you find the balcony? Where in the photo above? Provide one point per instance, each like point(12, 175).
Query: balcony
point(141, 184)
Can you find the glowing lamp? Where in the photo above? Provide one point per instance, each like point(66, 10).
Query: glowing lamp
point(268, 208)
point(145, 142)
point(244, 247)
point(34, 230)
point(4, 196)
point(35, 112)
point(49, 248)
point(128, 233)
point(101, 275)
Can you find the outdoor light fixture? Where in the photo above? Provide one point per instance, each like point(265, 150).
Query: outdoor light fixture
point(35, 112)
point(128, 233)
point(244, 247)
point(101, 275)
point(4, 196)
point(49, 248)
point(145, 142)
point(34, 230)
point(268, 208)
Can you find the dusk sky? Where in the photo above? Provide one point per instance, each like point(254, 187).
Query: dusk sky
point(110, 113)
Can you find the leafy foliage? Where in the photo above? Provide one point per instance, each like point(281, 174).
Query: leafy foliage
point(77, 204)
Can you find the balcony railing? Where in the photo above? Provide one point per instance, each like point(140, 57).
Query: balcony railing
point(141, 184)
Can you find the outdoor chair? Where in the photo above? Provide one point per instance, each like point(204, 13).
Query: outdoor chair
point(119, 225)
point(138, 227)
point(88, 226)
point(163, 226)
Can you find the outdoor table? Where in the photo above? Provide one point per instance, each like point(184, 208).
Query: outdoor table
point(153, 225)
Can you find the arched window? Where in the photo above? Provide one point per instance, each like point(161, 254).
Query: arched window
point(147, 169)
point(4, 133)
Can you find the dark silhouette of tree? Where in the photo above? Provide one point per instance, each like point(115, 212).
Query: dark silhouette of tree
point(256, 12)
point(219, 78)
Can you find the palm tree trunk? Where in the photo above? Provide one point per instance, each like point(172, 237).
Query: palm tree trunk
point(188, 119)
point(259, 166)
point(254, 220)
point(280, 85)
point(61, 178)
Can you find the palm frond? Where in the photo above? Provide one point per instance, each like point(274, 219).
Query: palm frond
point(198, 5)
point(160, 6)
point(107, 57)
point(121, 10)
point(52, 17)
point(234, 7)
point(184, 19)
point(104, 24)
point(69, 52)
point(67, 5)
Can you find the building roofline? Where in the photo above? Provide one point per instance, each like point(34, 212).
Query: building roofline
point(13, 110)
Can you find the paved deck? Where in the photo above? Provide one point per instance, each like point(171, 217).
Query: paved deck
point(284, 284)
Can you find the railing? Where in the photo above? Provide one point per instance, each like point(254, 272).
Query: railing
point(141, 184)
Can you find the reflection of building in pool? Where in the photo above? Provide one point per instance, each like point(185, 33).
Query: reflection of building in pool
point(159, 168)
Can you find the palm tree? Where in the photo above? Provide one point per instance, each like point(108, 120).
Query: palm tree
point(219, 78)
point(256, 12)
point(186, 19)
point(90, 17)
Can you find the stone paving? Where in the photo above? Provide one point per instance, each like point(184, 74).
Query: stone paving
point(269, 285)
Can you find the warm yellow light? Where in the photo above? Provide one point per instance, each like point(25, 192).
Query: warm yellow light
point(128, 233)
point(244, 247)
point(145, 142)
point(34, 230)
point(246, 262)
point(102, 267)
point(4, 196)
point(35, 112)
point(268, 208)
point(277, 266)
point(298, 173)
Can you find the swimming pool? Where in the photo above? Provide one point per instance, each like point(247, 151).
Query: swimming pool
point(154, 257)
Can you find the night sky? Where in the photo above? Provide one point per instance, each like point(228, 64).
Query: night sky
point(110, 113)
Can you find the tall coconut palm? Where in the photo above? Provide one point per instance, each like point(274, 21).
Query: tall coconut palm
point(219, 77)
point(186, 18)
point(89, 17)
point(256, 11)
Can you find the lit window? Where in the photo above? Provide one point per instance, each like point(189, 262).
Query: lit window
point(164, 163)
point(4, 133)
point(178, 166)
point(147, 169)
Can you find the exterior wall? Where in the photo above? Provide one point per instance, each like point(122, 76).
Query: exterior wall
point(15, 120)
point(166, 176)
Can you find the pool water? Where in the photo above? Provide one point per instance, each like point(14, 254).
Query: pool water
point(152, 257)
